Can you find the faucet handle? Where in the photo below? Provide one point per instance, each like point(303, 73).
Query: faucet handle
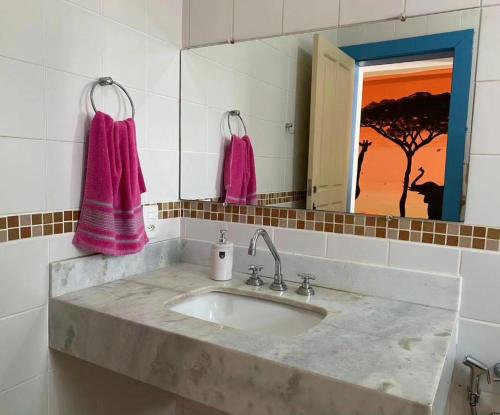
point(254, 279)
point(255, 269)
point(306, 277)
point(305, 288)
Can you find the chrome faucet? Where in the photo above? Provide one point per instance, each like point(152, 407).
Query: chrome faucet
point(278, 284)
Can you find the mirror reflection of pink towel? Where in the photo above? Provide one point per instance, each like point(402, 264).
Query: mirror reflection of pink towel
point(111, 220)
point(239, 172)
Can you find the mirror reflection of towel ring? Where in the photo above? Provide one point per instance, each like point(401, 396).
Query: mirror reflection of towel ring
point(235, 113)
point(109, 81)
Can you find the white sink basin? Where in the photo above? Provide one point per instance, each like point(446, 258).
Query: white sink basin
point(248, 313)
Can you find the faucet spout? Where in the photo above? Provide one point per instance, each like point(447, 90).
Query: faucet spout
point(278, 283)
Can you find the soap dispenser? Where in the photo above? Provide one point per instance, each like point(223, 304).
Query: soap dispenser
point(222, 258)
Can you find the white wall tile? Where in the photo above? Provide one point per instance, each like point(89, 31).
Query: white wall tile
point(217, 131)
point(68, 106)
point(300, 242)
point(490, 2)
point(193, 174)
point(129, 12)
point(194, 78)
point(67, 26)
point(417, 7)
point(162, 175)
point(22, 171)
point(483, 204)
point(23, 284)
point(210, 22)
point(356, 11)
point(202, 230)
point(163, 123)
point(88, 4)
point(380, 31)
point(163, 68)
point(357, 249)
point(413, 26)
point(24, 347)
point(299, 15)
point(29, 398)
point(488, 65)
point(164, 19)
point(481, 283)
point(444, 22)
point(65, 179)
point(194, 127)
point(61, 247)
point(168, 229)
point(241, 234)
point(215, 175)
point(484, 139)
point(422, 257)
point(21, 23)
point(21, 106)
point(124, 54)
point(116, 104)
point(257, 18)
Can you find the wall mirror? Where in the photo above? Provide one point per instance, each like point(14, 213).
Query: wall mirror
point(370, 118)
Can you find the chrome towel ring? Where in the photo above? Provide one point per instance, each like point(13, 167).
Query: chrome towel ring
point(235, 113)
point(109, 81)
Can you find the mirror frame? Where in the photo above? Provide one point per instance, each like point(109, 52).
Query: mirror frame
point(460, 45)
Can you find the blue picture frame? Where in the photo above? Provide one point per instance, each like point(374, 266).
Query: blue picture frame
point(458, 44)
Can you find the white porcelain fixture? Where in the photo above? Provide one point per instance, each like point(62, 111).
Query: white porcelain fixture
point(248, 313)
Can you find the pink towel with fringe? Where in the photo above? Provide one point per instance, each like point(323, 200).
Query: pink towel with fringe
point(239, 172)
point(111, 220)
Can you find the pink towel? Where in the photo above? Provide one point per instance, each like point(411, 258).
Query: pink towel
point(250, 172)
point(111, 220)
point(239, 172)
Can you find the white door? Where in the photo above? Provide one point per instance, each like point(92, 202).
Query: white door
point(331, 124)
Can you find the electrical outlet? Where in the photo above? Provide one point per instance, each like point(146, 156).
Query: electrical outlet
point(150, 213)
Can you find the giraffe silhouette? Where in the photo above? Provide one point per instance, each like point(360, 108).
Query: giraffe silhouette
point(433, 195)
point(364, 148)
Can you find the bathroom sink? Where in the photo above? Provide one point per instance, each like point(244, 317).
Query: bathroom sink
point(249, 313)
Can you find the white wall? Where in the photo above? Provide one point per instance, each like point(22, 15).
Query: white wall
point(269, 82)
point(50, 53)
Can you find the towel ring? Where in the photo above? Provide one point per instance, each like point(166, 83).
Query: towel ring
point(109, 81)
point(235, 113)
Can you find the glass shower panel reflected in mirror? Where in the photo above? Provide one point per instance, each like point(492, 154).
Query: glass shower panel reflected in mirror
point(337, 120)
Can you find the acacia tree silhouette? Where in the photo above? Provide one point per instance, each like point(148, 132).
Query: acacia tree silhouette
point(411, 123)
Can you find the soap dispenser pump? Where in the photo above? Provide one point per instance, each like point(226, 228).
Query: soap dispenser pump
point(222, 258)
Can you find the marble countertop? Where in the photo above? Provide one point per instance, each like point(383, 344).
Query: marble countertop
point(369, 355)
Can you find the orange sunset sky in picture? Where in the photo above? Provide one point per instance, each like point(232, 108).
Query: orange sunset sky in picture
point(384, 163)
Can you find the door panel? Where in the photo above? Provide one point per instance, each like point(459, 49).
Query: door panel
point(331, 124)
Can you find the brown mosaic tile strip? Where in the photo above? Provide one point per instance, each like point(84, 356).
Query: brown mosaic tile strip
point(33, 225)
point(402, 229)
point(25, 226)
point(16, 227)
point(269, 199)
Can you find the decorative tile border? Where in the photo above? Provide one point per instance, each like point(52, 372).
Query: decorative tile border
point(169, 210)
point(37, 224)
point(266, 199)
point(403, 229)
point(33, 225)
